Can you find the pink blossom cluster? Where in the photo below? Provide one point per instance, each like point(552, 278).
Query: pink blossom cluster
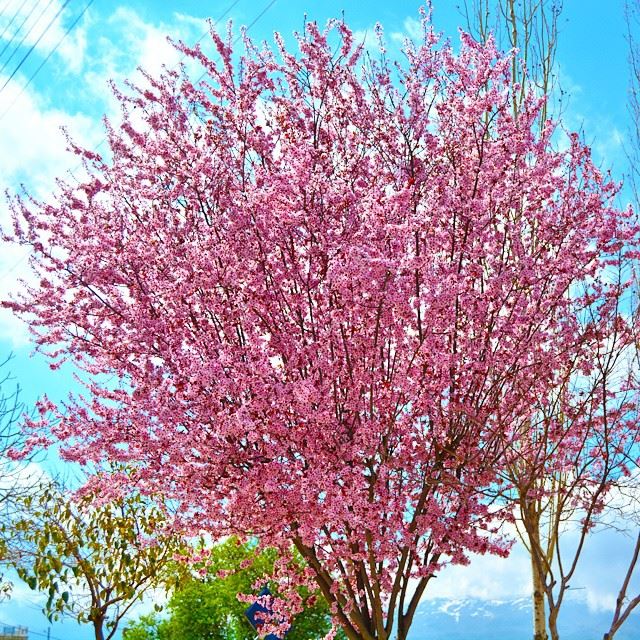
point(334, 291)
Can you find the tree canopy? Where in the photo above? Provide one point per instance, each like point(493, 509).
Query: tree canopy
point(336, 293)
point(93, 557)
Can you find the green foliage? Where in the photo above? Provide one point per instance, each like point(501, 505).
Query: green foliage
point(93, 560)
point(208, 608)
point(149, 627)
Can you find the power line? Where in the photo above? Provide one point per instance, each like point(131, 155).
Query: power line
point(251, 24)
point(261, 14)
point(35, 73)
point(233, 4)
point(17, 31)
point(22, 259)
point(220, 17)
point(5, 6)
point(15, 15)
point(35, 44)
point(22, 90)
point(26, 35)
point(44, 635)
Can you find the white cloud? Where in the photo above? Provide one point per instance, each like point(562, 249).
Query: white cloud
point(198, 23)
point(34, 148)
point(368, 38)
point(602, 131)
point(485, 578)
point(11, 265)
point(147, 605)
point(412, 30)
point(43, 25)
point(495, 580)
point(130, 43)
point(602, 569)
point(143, 43)
point(413, 27)
point(16, 475)
point(20, 592)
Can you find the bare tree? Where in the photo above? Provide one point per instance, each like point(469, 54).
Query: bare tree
point(626, 602)
point(558, 486)
point(573, 459)
point(13, 483)
point(531, 27)
point(632, 18)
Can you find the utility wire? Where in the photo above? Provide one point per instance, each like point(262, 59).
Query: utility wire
point(35, 44)
point(17, 31)
point(220, 17)
point(5, 6)
point(215, 23)
point(14, 266)
point(26, 35)
point(43, 635)
point(260, 15)
point(2, 115)
point(35, 73)
point(15, 15)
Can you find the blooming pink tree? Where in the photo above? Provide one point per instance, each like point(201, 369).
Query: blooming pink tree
point(331, 292)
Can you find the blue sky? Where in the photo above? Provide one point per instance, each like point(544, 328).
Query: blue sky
point(111, 39)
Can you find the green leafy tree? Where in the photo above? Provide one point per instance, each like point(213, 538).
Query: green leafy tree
point(93, 559)
point(207, 607)
point(148, 627)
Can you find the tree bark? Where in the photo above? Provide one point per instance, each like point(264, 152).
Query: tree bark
point(553, 623)
point(539, 609)
point(97, 629)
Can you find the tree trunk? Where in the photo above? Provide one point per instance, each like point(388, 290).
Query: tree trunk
point(402, 630)
point(97, 629)
point(539, 613)
point(553, 623)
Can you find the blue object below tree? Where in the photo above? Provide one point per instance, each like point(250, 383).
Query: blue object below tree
point(257, 608)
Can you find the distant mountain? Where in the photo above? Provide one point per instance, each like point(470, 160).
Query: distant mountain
point(472, 619)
